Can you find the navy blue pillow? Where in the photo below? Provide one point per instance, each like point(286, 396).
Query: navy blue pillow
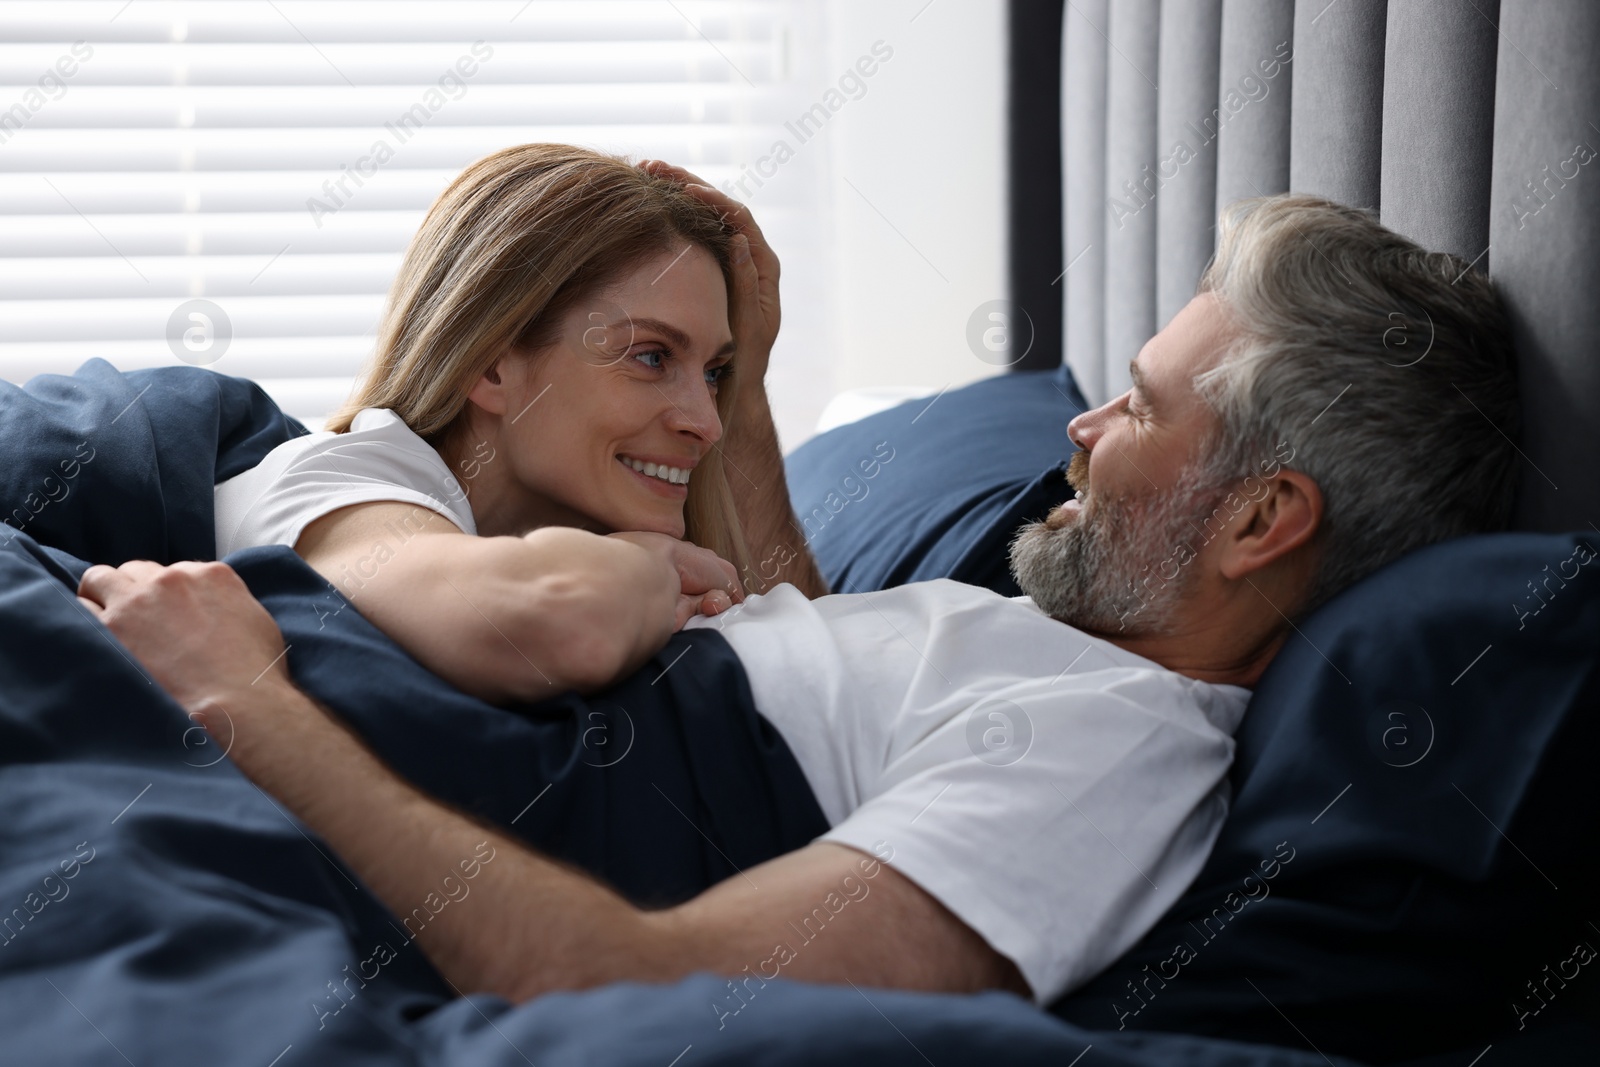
point(936, 487)
point(109, 467)
point(1410, 856)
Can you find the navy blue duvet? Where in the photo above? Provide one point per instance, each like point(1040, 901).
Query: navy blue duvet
point(158, 909)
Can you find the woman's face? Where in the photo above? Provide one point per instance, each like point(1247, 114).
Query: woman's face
point(606, 427)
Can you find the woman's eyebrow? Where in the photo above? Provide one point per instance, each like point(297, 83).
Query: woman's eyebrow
point(676, 336)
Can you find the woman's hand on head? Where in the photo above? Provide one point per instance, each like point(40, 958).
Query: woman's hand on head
point(750, 442)
point(755, 273)
point(708, 584)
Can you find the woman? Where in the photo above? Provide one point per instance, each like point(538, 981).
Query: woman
point(549, 411)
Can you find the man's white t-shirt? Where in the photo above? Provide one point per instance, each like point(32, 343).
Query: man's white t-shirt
point(1054, 791)
point(380, 458)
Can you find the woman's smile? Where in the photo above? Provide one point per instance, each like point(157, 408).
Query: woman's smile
point(663, 477)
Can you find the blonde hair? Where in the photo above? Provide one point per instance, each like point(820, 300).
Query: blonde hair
point(514, 243)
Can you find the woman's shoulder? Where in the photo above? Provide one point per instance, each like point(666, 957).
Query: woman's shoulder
point(380, 421)
point(375, 434)
point(378, 458)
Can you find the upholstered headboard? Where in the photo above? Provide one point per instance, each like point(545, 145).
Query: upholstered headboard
point(1472, 126)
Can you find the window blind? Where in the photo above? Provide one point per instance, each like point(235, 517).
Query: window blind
point(233, 184)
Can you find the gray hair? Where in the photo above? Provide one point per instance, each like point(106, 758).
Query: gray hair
point(1385, 371)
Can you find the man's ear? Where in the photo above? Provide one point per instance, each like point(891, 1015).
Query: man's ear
point(1272, 527)
point(489, 392)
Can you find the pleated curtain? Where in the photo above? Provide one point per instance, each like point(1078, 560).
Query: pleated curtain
point(1463, 123)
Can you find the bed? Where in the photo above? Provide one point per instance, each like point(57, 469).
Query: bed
point(1408, 869)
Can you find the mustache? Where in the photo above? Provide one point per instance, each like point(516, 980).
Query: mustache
point(1077, 479)
point(1078, 470)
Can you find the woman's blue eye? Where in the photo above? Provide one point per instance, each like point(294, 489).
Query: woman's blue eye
point(656, 358)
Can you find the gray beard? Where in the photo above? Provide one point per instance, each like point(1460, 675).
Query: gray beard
point(1102, 571)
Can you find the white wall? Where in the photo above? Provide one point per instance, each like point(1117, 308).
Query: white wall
point(924, 156)
point(914, 170)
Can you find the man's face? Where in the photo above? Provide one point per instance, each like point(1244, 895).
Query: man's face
point(1113, 561)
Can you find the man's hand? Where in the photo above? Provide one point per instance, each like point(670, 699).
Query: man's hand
point(194, 626)
point(708, 584)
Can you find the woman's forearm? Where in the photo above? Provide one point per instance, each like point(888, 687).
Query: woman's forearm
point(503, 618)
point(778, 548)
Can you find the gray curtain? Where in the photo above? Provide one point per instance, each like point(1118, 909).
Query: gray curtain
point(1465, 123)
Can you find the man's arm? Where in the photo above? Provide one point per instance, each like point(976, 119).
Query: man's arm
point(526, 925)
point(519, 924)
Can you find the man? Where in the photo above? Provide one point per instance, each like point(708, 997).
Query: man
point(1017, 790)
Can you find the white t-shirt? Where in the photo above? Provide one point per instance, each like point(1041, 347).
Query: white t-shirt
point(306, 478)
point(1054, 791)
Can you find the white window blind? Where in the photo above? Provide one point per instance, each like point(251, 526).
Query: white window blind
point(272, 159)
